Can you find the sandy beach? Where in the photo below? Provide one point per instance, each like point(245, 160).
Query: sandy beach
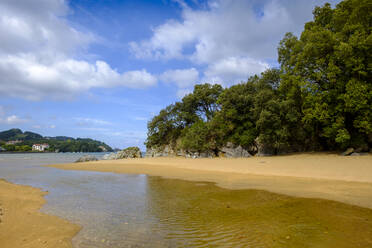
point(23, 225)
point(317, 175)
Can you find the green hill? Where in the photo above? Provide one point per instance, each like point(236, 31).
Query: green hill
point(56, 144)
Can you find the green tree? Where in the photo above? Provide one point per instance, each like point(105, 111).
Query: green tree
point(331, 64)
point(235, 122)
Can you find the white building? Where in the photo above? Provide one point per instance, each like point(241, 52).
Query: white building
point(40, 147)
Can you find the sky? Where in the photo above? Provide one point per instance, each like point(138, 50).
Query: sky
point(103, 69)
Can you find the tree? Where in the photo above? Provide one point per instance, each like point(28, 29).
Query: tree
point(235, 122)
point(319, 99)
point(330, 64)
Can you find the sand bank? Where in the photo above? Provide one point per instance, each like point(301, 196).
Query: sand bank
point(327, 176)
point(23, 225)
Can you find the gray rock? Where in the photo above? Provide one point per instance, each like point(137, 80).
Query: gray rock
point(207, 154)
point(232, 151)
point(109, 156)
point(130, 152)
point(264, 150)
point(86, 158)
point(348, 152)
point(164, 151)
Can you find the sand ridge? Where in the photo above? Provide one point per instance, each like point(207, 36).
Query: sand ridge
point(314, 175)
point(23, 225)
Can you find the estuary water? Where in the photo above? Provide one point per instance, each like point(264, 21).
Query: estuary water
point(119, 210)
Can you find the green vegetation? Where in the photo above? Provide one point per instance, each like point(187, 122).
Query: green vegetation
point(319, 99)
point(59, 143)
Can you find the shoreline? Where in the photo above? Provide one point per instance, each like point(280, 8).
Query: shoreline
point(318, 175)
point(23, 225)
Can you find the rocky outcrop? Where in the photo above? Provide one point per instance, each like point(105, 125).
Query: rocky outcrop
point(232, 151)
point(165, 151)
point(130, 152)
point(264, 149)
point(207, 154)
point(168, 151)
point(86, 158)
point(229, 151)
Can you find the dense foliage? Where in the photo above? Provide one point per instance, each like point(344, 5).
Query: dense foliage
point(59, 143)
point(320, 98)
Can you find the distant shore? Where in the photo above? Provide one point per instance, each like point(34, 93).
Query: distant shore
point(23, 225)
point(313, 175)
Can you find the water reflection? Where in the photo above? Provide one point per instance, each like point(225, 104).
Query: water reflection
point(202, 215)
point(118, 210)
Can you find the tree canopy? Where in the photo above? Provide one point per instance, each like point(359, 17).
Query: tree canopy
point(320, 97)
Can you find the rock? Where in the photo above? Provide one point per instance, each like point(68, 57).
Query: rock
point(264, 149)
point(348, 151)
point(164, 151)
point(130, 152)
point(232, 151)
point(109, 156)
point(86, 158)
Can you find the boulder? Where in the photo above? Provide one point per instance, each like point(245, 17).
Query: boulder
point(130, 152)
point(232, 151)
point(348, 152)
point(109, 156)
point(264, 149)
point(86, 158)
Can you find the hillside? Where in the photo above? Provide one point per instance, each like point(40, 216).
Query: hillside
point(25, 140)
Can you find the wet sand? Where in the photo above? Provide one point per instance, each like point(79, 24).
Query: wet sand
point(320, 175)
point(23, 225)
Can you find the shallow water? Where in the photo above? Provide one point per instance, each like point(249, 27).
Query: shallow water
point(118, 210)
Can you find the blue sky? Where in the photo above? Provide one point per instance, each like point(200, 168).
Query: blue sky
point(103, 69)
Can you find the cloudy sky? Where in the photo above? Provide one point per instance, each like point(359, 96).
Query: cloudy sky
point(102, 69)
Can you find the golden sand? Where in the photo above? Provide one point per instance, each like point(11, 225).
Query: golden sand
point(319, 175)
point(23, 225)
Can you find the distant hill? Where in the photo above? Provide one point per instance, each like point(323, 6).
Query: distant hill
point(57, 144)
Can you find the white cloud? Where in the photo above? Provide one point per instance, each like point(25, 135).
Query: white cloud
point(26, 76)
point(234, 39)
point(10, 119)
point(86, 122)
point(233, 70)
point(13, 119)
point(183, 78)
point(227, 29)
point(38, 54)
point(52, 126)
point(183, 92)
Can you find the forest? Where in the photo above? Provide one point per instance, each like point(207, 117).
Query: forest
point(319, 98)
point(56, 144)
